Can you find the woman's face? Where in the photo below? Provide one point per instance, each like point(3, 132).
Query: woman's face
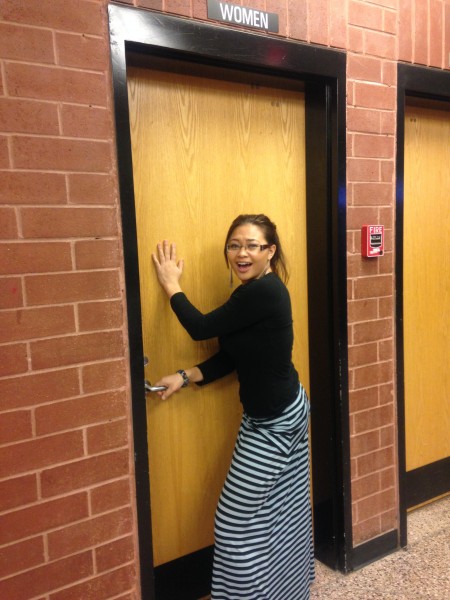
point(246, 262)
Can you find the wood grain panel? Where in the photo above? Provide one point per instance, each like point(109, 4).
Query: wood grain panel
point(427, 285)
point(204, 151)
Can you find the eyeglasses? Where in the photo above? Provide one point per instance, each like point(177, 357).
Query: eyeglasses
point(251, 248)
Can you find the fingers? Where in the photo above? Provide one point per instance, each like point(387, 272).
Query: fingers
point(167, 251)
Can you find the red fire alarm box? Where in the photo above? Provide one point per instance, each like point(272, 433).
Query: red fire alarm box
point(372, 240)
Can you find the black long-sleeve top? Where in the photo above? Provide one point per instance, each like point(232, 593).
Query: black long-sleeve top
point(255, 334)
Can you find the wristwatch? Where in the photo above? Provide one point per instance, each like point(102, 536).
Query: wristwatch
point(184, 376)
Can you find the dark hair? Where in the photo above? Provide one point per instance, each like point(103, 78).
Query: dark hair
point(269, 229)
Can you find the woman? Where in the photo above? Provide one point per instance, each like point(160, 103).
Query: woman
point(263, 534)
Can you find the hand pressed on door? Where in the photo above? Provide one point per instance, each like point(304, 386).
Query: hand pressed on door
point(168, 269)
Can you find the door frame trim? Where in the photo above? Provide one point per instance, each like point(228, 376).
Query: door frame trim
point(324, 73)
point(431, 84)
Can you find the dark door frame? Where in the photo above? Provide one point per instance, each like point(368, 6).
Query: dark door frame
point(323, 71)
point(427, 482)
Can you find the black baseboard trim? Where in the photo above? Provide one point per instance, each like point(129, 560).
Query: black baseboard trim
point(428, 482)
point(186, 578)
point(374, 549)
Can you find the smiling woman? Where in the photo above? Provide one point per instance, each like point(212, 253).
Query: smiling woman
point(263, 526)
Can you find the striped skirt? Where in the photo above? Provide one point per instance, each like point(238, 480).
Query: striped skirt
point(263, 529)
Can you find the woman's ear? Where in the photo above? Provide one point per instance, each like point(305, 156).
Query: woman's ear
point(272, 250)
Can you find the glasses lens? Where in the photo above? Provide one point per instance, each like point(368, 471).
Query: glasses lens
point(253, 247)
point(233, 247)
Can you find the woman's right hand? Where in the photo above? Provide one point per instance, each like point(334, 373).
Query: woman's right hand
point(173, 383)
point(168, 268)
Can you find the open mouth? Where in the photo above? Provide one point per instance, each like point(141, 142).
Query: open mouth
point(243, 267)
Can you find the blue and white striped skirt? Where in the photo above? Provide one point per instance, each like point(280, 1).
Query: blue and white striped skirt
point(263, 529)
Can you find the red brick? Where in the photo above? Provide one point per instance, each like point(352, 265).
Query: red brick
point(77, 349)
point(32, 188)
point(421, 33)
point(389, 520)
point(93, 316)
point(87, 410)
point(387, 436)
point(107, 436)
point(109, 496)
point(78, 15)
point(83, 473)
point(365, 68)
point(61, 154)
point(375, 461)
point(364, 443)
point(81, 50)
point(71, 287)
point(405, 30)
point(154, 4)
point(386, 349)
point(376, 504)
point(114, 554)
point(386, 393)
point(104, 376)
point(375, 96)
point(17, 492)
point(358, 216)
point(357, 266)
point(387, 170)
point(388, 122)
point(367, 530)
point(8, 223)
point(370, 287)
point(58, 222)
point(338, 26)
point(28, 323)
point(365, 486)
point(97, 254)
point(40, 453)
point(102, 586)
point(92, 189)
point(86, 122)
point(15, 426)
point(388, 478)
point(178, 7)
point(364, 354)
point(21, 556)
point(41, 517)
point(436, 18)
point(374, 418)
point(362, 310)
point(360, 169)
point(355, 39)
point(36, 257)
point(363, 399)
point(318, 22)
point(56, 83)
point(4, 153)
point(372, 331)
point(386, 307)
point(37, 388)
point(373, 194)
point(14, 360)
point(390, 21)
point(363, 120)
point(365, 15)
point(10, 291)
point(297, 19)
point(374, 146)
point(92, 532)
point(380, 44)
point(28, 116)
point(272, 6)
point(373, 374)
point(26, 43)
point(51, 576)
point(389, 76)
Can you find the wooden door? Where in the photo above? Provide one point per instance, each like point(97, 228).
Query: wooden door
point(426, 268)
point(204, 151)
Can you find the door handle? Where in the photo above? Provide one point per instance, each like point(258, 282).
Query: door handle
point(153, 388)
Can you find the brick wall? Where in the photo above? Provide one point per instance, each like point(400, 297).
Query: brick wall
point(67, 522)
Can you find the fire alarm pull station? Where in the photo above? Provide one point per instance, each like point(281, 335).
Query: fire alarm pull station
point(372, 240)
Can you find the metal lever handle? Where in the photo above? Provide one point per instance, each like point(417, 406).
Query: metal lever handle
point(153, 388)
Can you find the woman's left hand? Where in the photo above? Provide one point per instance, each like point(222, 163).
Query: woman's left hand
point(168, 268)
